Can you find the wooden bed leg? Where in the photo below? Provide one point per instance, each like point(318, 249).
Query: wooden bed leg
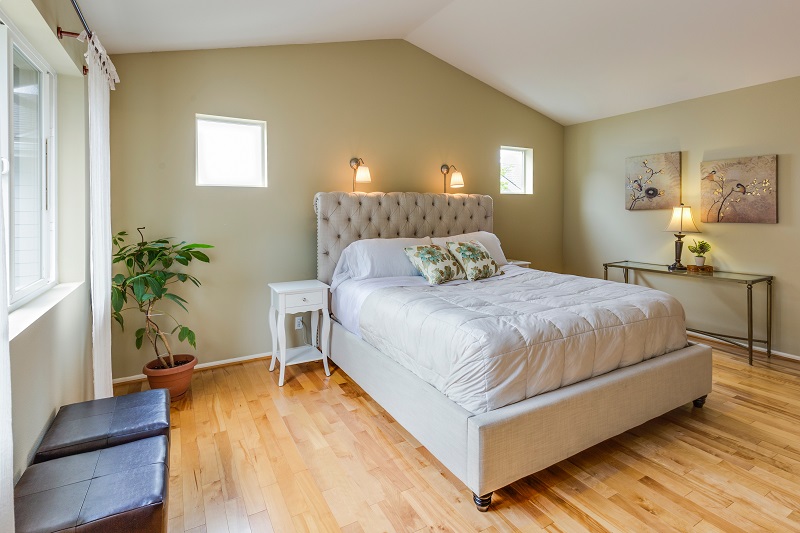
point(700, 401)
point(482, 502)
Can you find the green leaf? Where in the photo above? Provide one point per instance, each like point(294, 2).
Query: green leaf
point(200, 256)
point(139, 337)
point(155, 286)
point(182, 260)
point(177, 299)
point(118, 279)
point(139, 288)
point(196, 245)
point(192, 340)
point(119, 319)
point(117, 300)
point(184, 332)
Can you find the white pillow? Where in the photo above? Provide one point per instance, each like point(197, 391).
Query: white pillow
point(376, 258)
point(488, 240)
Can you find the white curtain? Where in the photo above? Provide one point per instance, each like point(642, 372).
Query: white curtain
point(102, 76)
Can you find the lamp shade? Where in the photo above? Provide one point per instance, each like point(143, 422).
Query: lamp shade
point(456, 180)
point(362, 174)
point(682, 221)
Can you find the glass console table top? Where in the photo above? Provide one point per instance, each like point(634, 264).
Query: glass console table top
point(735, 277)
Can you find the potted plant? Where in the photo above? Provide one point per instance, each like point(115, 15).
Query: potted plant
point(151, 271)
point(700, 249)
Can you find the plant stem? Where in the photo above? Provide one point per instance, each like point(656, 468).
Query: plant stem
point(151, 325)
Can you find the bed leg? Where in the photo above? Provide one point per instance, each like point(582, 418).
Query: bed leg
point(700, 401)
point(482, 502)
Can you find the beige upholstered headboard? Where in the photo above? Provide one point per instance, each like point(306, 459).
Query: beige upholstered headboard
point(344, 217)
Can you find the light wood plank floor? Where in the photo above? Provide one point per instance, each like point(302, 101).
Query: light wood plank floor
point(321, 455)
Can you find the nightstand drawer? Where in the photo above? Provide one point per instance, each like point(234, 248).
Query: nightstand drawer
point(303, 299)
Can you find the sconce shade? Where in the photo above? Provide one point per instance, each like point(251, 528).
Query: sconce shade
point(362, 174)
point(682, 221)
point(456, 180)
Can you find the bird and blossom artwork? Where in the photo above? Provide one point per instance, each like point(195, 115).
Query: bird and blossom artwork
point(653, 181)
point(742, 190)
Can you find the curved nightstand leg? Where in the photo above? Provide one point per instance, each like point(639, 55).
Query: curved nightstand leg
point(325, 338)
point(272, 331)
point(281, 325)
point(315, 328)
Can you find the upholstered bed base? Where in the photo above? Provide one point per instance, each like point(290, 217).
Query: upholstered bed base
point(491, 450)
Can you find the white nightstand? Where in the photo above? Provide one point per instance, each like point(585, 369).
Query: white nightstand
point(523, 264)
point(297, 297)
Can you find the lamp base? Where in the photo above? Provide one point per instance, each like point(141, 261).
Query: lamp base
point(678, 249)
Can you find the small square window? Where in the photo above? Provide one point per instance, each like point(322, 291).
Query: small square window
point(516, 170)
point(231, 152)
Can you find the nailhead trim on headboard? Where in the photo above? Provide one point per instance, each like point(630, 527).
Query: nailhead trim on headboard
point(344, 217)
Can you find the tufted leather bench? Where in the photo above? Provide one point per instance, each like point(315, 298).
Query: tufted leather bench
point(123, 488)
point(96, 424)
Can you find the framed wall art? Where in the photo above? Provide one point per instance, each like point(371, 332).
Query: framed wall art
point(653, 181)
point(742, 190)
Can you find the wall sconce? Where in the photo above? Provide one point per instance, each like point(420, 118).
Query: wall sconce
point(360, 172)
point(456, 179)
point(680, 223)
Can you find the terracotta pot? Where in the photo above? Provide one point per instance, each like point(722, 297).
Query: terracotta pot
point(177, 379)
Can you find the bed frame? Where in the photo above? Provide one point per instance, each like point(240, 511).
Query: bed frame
point(490, 450)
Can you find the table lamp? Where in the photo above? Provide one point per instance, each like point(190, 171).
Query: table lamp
point(680, 224)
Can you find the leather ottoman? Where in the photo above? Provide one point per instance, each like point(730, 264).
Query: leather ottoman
point(97, 424)
point(123, 488)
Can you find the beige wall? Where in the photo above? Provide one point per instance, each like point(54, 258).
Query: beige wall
point(51, 361)
point(402, 110)
point(748, 122)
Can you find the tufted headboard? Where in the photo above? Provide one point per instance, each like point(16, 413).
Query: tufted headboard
point(343, 218)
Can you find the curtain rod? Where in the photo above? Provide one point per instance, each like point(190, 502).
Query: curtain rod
point(80, 16)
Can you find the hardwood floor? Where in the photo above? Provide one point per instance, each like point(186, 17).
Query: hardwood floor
point(321, 455)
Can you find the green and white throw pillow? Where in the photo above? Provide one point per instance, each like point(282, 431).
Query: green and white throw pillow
point(435, 263)
point(475, 259)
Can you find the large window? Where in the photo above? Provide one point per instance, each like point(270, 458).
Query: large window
point(26, 135)
point(516, 170)
point(231, 152)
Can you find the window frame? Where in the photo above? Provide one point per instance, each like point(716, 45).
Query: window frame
point(13, 39)
point(231, 120)
point(527, 169)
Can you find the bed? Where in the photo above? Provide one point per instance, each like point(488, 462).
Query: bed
point(491, 443)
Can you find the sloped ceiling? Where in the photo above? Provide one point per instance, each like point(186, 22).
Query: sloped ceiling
point(572, 60)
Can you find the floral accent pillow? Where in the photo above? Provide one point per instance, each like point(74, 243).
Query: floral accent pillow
point(475, 259)
point(435, 263)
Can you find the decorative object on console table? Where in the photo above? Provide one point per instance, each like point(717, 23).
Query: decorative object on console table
point(700, 249)
point(740, 190)
point(705, 269)
point(148, 279)
point(298, 297)
point(456, 179)
point(519, 263)
point(680, 223)
point(360, 172)
point(652, 181)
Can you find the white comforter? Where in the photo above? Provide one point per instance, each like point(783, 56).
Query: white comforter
point(492, 343)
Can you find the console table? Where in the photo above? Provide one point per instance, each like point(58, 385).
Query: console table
point(731, 277)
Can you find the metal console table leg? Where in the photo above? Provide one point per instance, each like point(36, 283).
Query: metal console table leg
point(750, 323)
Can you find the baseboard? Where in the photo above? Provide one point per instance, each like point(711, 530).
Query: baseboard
point(201, 366)
point(730, 348)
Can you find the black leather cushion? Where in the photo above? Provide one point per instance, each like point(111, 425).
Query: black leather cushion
point(123, 488)
point(96, 424)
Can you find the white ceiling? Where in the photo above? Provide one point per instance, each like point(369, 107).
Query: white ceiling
point(573, 60)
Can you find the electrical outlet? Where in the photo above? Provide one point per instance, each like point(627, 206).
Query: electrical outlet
point(298, 322)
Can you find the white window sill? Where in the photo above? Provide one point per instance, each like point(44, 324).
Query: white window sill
point(20, 319)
